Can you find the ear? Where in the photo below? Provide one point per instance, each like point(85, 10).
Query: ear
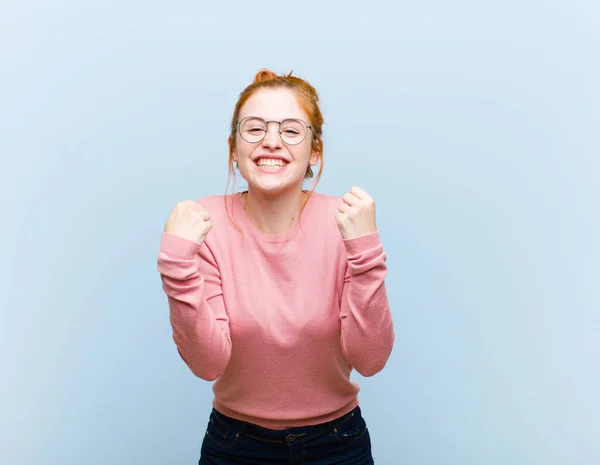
point(315, 155)
point(232, 150)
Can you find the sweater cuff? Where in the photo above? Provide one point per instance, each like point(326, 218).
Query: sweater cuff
point(178, 246)
point(361, 244)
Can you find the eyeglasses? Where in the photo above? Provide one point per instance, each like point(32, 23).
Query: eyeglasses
point(254, 129)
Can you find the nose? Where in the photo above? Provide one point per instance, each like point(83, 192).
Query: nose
point(272, 139)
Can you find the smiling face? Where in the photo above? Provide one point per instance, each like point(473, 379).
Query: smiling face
point(271, 166)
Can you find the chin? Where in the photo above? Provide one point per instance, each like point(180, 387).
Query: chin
point(269, 189)
point(272, 184)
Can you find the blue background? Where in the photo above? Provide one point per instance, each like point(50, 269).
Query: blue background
point(474, 125)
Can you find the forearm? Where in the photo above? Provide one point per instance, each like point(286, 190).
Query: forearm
point(367, 328)
point(200, 325)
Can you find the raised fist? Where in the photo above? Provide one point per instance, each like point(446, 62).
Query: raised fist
point(189, 221)
point(356, 215)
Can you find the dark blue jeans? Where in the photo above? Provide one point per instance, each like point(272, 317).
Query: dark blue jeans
point(344, 441)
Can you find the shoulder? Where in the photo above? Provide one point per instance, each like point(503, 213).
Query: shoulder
point(324, 203)
point(222, 210)
point(217, 205)
point(323, 210)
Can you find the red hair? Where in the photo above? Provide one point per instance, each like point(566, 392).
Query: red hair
point(308, 99)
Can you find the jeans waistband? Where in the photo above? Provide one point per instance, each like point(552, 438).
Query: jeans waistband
point(282, 436)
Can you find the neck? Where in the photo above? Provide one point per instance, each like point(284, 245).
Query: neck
point(273, 215)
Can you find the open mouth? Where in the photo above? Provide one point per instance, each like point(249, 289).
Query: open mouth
point(270, 164)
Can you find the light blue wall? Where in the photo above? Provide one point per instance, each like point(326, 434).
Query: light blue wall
point(475, 126)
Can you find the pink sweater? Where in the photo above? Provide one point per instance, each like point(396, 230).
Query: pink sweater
point(278, 321)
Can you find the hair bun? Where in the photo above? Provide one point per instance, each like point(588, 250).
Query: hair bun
point(264, 75)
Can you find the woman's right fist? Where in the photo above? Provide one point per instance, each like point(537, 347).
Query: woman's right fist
point(189, 221)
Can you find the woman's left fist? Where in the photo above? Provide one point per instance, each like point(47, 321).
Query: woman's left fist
point(356, 215)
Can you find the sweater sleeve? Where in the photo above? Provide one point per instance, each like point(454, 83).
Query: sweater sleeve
point(367, 330)
point(192, 281)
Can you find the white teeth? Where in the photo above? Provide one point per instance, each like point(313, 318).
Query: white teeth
point(271, 163)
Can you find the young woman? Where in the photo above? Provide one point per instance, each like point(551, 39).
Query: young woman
point(277, 292)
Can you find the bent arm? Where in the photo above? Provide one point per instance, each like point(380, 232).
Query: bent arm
point(367, 329)
point(191, 279)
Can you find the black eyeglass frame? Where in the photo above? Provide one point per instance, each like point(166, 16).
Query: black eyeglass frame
point(239, 125)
